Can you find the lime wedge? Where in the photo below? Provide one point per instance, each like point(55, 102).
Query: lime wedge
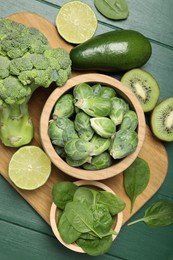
point(29, 168)
point(76, 22)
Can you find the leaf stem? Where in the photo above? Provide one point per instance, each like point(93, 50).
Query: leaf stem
point(135, 221)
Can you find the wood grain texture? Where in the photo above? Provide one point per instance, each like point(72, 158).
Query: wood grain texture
point(152, 12)
point(152, 18)
point(40, 199)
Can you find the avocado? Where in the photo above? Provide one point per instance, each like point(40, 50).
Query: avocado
point(114, 51)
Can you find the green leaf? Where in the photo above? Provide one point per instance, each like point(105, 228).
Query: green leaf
point(80, 217)
point(102, 219)
point(159, 214)
point(113, 9)
point(62, 192)
point(136, 179)
point(85, 195)
point(96, 246)
point(68, 233)
point(111, 201)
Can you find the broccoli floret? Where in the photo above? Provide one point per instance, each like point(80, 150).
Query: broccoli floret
point(63, 76)
point(13, 92)
point(26, 63)
point(17, 39)
point(4, 67)
point(59, 62)
point(20, 64)
point(42, 78)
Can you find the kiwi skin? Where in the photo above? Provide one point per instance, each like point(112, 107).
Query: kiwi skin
point(144, 86)
point(162, 120)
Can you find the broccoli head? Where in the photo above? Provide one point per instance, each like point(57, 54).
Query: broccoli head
point(26, 63)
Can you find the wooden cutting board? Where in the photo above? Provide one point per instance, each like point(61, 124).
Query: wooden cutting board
point(152, 151)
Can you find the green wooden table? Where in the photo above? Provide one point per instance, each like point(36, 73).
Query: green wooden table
point(23, 233)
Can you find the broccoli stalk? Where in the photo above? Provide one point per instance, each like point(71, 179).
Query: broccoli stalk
point(16, 125)
point(26, 63)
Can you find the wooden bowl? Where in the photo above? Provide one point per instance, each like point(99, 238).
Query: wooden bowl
point(79, 173)
point(54, 215)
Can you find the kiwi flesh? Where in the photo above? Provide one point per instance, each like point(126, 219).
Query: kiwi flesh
point(144, 86)
point(162, 120)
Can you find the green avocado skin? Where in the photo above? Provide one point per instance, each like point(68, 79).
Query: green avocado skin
point(113, 51)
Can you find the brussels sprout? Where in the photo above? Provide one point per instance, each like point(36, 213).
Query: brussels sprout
point(78, 149)
point(96, 90)
point(60, 151)
point(100, 144)
point(124, 143)
point(98, 162)
point(108, 92)
point(83, 126)
point(95, 106)
point(82, 90)
point(77, 163)
point(103, 126)
point(64, 107)
point(119, 108)
point(130, 120)
point(67, 126)
point(55, 134)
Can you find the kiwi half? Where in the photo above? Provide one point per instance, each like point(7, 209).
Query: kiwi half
point(144, 86)
point(162, 120)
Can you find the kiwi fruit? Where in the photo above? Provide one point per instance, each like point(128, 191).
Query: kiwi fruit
point(162, 120)
point(144, 86)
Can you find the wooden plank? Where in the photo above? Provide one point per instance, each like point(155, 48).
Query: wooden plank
point(18, 242)
point(40, 199)
point(142, 242)
point(25, 242)
point(25, 215)
point(156, 14)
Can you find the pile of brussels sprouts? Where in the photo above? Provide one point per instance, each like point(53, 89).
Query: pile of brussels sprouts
point(91, 127)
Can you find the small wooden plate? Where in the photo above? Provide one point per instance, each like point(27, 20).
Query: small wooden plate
point(79, 173)
point(54, 213)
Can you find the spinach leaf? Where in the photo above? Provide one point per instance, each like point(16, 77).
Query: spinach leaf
point(62, 192)
point(68, 233)
point(95, 247)
point(102, 219)
point(86, 216)
point(136, 179)
point(85, 195)
point(113, 9)
point(80, 217)
point(111, 201)
point(159, 214)
point(89, 236)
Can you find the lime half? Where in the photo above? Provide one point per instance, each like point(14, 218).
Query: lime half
point(76, 22)
point(29, 168)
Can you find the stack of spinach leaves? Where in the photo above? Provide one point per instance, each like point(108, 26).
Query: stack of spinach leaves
point(87, 216)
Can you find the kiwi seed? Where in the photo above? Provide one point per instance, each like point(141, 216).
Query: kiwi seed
point(144, 86)
point(162, 120)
